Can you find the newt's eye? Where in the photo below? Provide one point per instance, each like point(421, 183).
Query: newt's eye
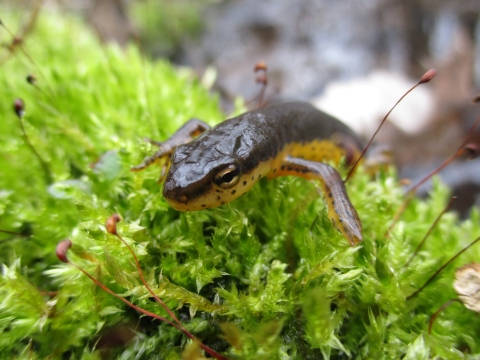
point(228, 177)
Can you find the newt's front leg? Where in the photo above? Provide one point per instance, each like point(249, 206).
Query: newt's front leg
point(340, 210)
point(185, 134)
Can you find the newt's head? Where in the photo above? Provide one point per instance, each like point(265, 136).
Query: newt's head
point(202, 177)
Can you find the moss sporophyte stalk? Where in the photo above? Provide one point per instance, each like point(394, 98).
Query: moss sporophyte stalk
point(266, 276)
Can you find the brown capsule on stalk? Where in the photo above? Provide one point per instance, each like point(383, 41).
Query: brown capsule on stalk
point(19, 107)
point(111, 224)
point(472, 150)
point(429, 75)
point(32, 79)
point(62, 249)
point(16, 41)
point(261, 65)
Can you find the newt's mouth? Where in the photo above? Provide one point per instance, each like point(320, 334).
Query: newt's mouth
point(190, 198)
point(185, 203)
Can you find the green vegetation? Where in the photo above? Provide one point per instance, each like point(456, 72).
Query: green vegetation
point(260, 278)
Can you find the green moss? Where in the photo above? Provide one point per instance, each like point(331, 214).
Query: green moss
point(266, 276)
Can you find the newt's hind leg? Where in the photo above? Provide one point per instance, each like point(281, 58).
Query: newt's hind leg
point(340, 210)
point(185, 134)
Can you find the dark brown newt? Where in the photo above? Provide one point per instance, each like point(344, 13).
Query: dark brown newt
point(225, 161)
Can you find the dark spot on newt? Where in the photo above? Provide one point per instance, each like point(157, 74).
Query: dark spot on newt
point(204, 205)
point(233, 192)
point(283, 167)
point(330, 194)
point(253, 177)
point(219, 191)
point(259, 176)
point(274, 170)
point(244, 183)
point(218, 197)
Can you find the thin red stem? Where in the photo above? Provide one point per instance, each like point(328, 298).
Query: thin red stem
point(153, 315)
point(14, 233)
point(430, 230)
point(376, 132)
point(434, 316)
point(139, 309)
point(442, 267)
point(140, 272)
point(460, 151)
point(43, 164)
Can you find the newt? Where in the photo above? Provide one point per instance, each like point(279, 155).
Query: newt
point(209, 167)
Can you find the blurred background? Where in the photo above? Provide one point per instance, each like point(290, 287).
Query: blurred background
point(352, 59)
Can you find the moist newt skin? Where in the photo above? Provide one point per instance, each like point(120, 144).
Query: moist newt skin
point(225, 161)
